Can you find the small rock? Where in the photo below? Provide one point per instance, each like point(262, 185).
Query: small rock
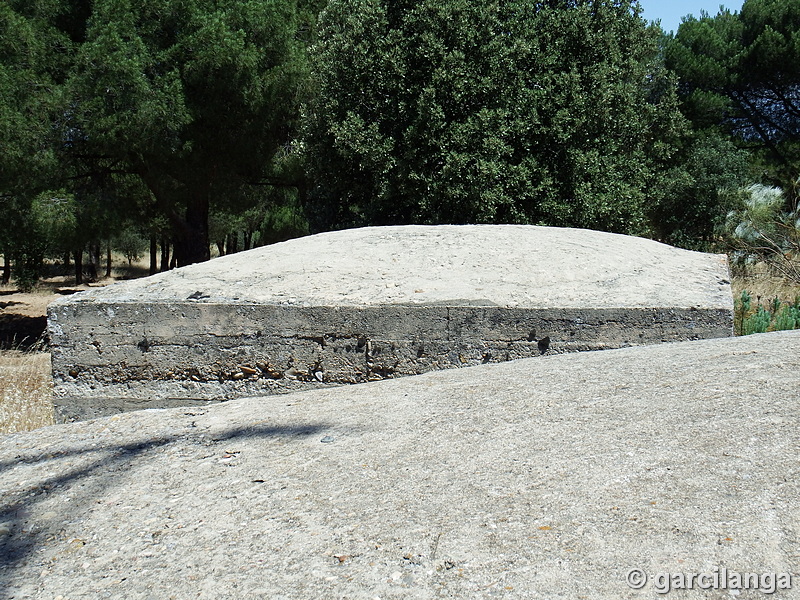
point(293, 373)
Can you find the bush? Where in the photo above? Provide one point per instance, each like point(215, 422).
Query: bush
point(760, 228)
point(131, 244)
point(447, 111)
point(760, 319)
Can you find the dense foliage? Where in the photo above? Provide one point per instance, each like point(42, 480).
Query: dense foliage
point(484, 111)
point(28, 97)
point(194, 98)
point(740, 75)
point(739, 79)
point(188, 124)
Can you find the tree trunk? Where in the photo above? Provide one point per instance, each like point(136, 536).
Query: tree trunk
point(78, 266)
point(66, 260)
point(220, 247)
point(108, 260)
point(191, 239)
point(164, 254)
point(94, 259)
point(248, 239)
point(190, 243)
point(6, 269)
point(233, 243)
point(153, 255)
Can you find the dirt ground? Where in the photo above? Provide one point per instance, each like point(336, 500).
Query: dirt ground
point(23, 314)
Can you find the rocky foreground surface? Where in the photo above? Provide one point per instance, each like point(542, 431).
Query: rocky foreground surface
point(543, 478)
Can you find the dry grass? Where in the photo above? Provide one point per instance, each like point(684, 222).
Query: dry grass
point(26, 391)
point(26, 387)
point(764, 285)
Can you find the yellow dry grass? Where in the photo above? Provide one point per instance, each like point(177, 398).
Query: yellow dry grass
point(764, 284)
point(26, 397)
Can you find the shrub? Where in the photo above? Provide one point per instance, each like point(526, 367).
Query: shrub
point(776, 316)
point(761, 228)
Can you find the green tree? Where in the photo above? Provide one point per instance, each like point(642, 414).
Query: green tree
point(740, 75)
point(29, 64)
point(31, 60)
point(193, 96)
point(486, 111)
point(700, 190)
point(265, 215)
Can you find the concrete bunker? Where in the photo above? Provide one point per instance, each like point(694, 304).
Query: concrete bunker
point(374, 303)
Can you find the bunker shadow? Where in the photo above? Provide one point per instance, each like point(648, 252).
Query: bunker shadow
point(17, 542)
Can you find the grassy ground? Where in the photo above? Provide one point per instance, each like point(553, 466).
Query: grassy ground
point(25, 383)
point(25, 390)
point(763, 286)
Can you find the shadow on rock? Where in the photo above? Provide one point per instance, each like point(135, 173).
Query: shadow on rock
point(19, 535)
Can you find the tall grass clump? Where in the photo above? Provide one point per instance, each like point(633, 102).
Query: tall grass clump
point(775, 316)
point(26, 390)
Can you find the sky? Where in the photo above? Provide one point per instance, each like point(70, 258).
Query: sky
point(671, 11)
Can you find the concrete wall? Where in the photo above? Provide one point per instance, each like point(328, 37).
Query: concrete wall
point(109, 358)
point(194, 336)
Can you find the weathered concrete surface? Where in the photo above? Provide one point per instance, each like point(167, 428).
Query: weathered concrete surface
point(542, 478)
point(374, 303)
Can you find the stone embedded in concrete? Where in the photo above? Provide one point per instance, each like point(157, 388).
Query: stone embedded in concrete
point(547, 478)
point(375, 303)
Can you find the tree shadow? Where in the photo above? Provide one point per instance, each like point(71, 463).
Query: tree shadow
point(21, 331)
point(14, 509)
